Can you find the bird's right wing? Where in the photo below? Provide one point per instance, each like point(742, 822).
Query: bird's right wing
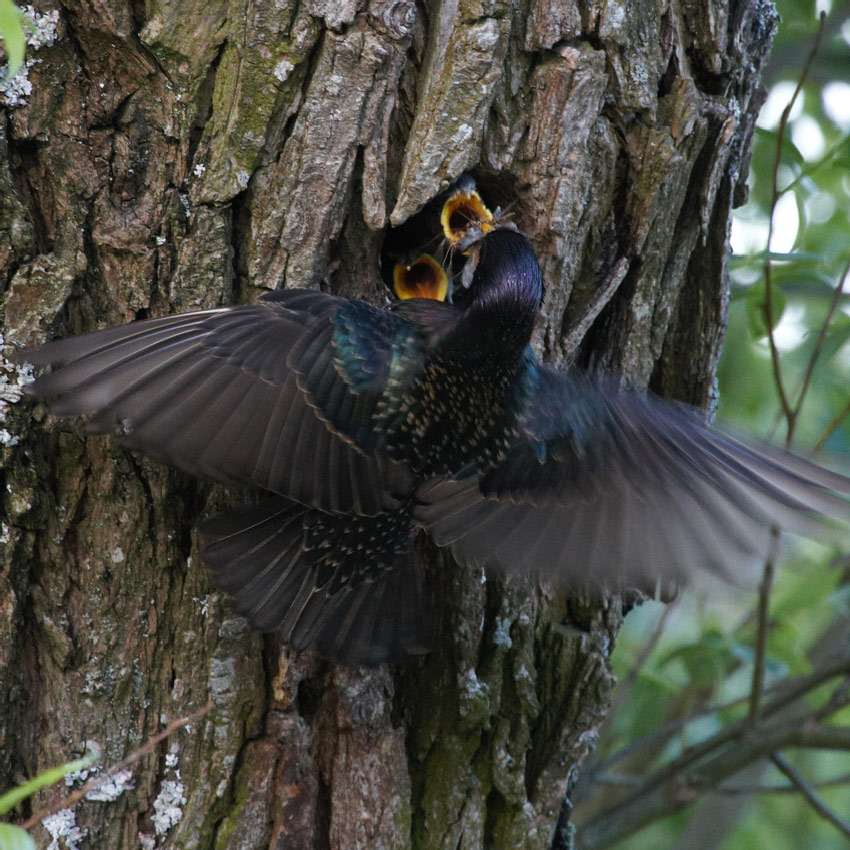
point(611, 485)
point(279, 394)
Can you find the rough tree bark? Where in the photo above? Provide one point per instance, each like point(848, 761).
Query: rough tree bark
point(171, 155)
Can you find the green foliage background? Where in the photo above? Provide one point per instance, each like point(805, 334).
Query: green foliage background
point(705, 652)
point(11, 37)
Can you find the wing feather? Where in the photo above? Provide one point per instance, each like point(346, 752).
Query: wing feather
point(249, 394)
point(606, 484)
point(282, 564)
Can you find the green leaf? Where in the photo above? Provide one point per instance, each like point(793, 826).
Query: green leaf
point(802, 591)
point(11, 798)
point(756, 317)
point(836, 337)
point(12, 32)
point(789, 149)
point(15, 838)
point(706, 661)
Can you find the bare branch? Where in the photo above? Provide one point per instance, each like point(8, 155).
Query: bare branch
point(765, 590)
point(833, 425)
point(839, 699)
point(790, 414)
point(680, 790)
point(730, 789)
point(816, 351)
point(808, 791)
point(786, 693)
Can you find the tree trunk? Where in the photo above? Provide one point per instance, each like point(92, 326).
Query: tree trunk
point(175, 155)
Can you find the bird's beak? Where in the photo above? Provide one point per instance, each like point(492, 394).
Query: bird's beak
point(423, 278)
point(464, 215)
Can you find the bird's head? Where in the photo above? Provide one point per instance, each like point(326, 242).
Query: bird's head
point(506, 280)
point(464, 214)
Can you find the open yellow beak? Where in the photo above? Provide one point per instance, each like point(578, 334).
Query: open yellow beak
point(463, 212)
point(424, 278)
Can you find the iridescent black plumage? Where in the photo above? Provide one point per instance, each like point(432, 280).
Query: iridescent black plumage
point(365, 424)
point(339, 408)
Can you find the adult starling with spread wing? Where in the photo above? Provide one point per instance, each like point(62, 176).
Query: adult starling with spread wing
point(365, 424)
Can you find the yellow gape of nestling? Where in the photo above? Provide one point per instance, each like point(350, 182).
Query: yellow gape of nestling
point(423, 278)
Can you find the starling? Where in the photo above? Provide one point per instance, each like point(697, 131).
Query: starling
point(364, 425)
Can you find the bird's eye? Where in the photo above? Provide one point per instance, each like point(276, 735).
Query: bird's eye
point(463, 214)
point(424, 278)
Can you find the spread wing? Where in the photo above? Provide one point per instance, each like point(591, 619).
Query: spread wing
point(605, 484)
point(279, 394)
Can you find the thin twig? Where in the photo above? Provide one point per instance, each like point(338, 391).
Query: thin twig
point(736, 730)
point(784, 693)
point(768, 277)
point(763, 627)
point(811, 167)
point(833, 425)
point(653, 801)
point(840, 698)
point(790, 413)
point(630, 780)
point(808, 791)
point(101, 778)
point(816, 351)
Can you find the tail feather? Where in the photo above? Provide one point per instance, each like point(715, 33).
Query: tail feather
point(340, 583)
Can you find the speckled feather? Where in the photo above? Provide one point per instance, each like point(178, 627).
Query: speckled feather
point(336, 406)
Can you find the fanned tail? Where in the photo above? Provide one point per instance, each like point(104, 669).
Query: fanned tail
point(340, 583)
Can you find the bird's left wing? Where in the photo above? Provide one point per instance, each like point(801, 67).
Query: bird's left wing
point(605, 484)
